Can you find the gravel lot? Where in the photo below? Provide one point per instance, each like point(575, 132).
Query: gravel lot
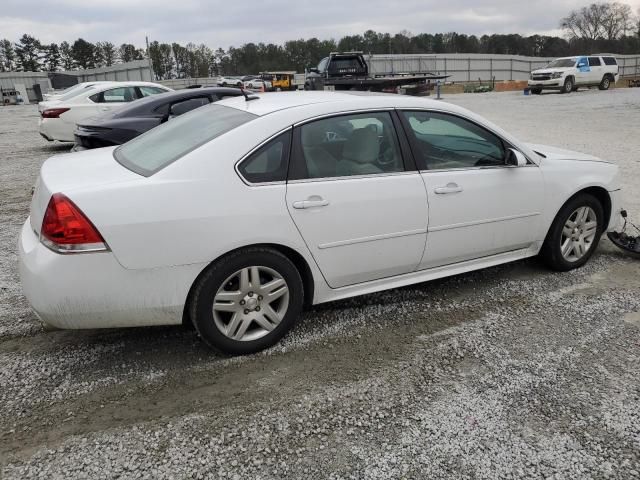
point(511, 372)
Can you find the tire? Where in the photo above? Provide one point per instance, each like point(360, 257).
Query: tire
point(536, 91)
point(224, 84)
point(605, 83)
point(562, 235)
point(244, 311)
point(568, 86)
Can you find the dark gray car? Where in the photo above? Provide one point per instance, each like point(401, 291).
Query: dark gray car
point(120, 126)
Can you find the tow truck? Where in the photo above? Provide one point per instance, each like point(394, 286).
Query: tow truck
point(350, 71)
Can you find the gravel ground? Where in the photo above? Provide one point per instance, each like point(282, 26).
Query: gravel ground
point(511, 372)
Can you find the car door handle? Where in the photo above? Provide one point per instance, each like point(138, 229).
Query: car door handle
point(448, 188)
point(311, 202)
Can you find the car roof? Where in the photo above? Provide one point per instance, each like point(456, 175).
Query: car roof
point(267, 103)
point(151, 102)
point(129, 83)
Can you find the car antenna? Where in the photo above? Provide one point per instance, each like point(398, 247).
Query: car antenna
point(247, 97)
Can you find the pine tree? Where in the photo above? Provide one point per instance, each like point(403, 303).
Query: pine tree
point(28, 53)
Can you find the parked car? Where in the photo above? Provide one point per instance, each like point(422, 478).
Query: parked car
point(258, 84)
point(78, 87)
point(229, 82)
point(237, 214)
point(58, 118)
point(115, 128)
point(567, 74)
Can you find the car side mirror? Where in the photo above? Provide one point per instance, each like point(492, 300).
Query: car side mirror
point(515, 158)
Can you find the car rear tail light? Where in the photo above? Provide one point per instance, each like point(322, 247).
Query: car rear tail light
point(54, 112)
point(65, 229)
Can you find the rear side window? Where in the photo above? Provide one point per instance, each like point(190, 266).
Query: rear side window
point(594, 62)
point(269, 163)
point(609, 61)
point(146, 91)
point(163, 145)
point(187, 105)
point(115, 95)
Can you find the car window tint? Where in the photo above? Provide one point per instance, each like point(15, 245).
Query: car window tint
point(154, 150)
point(445, 141)
point(269, 163)
point(594, 62)
point(146, 91)
point(115, 95)
point(187, 105)
point(362, 144)
point(609, 61)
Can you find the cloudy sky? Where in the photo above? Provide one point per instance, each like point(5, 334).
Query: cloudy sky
point(223, 23)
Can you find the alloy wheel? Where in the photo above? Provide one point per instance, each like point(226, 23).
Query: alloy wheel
point(578, 234)
point(250, 303)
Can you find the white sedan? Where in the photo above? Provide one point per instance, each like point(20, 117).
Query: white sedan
point(58, 118)
point(78, 87)
point(236, 215)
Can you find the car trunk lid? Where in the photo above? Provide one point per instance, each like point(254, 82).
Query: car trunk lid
point(75, 172)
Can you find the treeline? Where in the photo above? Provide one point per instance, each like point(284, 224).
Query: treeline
point(30, 55)
point(599, 27)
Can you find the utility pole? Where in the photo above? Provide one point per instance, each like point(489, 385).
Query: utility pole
point(153, 77)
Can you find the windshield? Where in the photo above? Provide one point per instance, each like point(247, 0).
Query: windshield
point(154, 150)
point(562, 63)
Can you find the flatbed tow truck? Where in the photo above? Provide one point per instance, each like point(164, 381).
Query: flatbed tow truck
point(350, 71)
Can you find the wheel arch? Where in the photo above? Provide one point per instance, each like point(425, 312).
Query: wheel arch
point(294, 256)
point(600, 193)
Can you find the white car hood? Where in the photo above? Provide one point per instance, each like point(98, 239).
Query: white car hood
point(551, 70)
point(555, 153)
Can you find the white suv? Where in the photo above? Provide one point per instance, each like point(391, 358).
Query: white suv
point(567, 74)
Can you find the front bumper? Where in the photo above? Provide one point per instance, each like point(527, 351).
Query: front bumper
point(549, 84)
point(616, 220)
point(93, 290)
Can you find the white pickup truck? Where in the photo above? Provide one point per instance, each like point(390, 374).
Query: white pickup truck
point(567, 74)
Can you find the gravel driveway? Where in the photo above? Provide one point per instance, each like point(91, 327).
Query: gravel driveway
point(511, 372)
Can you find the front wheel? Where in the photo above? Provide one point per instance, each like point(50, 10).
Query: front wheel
point(247, 301)
point(574, 234)
point(568, 86)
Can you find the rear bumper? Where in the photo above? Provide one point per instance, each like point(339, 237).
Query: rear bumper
point(93, 290)
point(55, 129)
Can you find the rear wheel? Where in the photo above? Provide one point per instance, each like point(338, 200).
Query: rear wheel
point(605, 83)
point(568, 85)
point(574, 234)
point(247, 301)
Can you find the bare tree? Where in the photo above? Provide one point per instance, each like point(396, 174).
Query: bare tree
point(618, 21)
point(599, 21)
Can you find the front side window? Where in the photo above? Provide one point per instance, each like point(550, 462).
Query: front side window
point(443, 141)
point(269, 163)
point(594, 62)
point(161, 146)
point(348, 145)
